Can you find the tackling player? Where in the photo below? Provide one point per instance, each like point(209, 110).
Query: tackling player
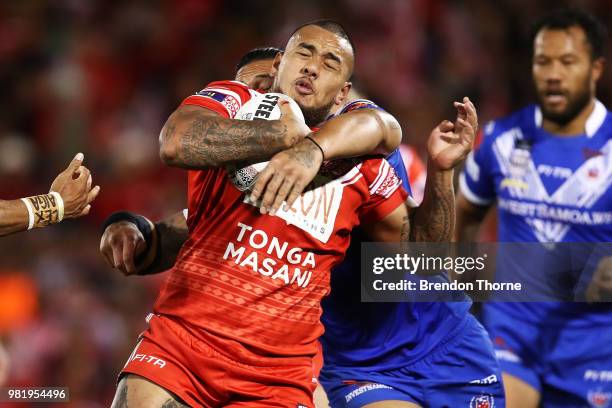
point(555, 156)
point(70, 196)
point(281, 349)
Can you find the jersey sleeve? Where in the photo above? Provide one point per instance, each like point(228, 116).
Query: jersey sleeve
point(395, 160)
point(359, 104)
point(384, 188)
point(476, 181)
point(224, 97)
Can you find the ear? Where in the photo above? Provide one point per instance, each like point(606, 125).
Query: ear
point(342, 94)
point(276, 64)
point(597, 68)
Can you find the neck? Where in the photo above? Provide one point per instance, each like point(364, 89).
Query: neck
point(574, 127)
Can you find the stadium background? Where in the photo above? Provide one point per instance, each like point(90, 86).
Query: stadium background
point(102, 76)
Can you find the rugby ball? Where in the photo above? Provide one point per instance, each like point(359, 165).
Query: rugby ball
point(265, 107)
point(259, 107)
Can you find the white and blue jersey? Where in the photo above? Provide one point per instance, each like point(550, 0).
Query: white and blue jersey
point(549, 189)
point(369, 344)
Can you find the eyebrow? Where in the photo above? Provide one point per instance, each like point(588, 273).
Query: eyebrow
point(312, 48)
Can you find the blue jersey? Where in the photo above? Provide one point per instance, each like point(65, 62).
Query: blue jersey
point(379, 336)
point(548, 189)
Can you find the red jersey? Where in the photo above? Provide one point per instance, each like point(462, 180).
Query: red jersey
point(247, 281)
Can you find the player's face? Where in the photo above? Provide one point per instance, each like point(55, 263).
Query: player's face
point(257, 74)
point(564, 73)
point(314, 71)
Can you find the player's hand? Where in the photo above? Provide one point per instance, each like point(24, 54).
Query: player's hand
point(121, 243)
point(296, 128)
point(286, 176)
point(600, 288)
point(74, 185)
point(449, 143)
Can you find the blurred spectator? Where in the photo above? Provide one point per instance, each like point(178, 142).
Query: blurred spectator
point(101, 77)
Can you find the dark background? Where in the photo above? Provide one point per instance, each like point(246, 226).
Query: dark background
point(101, 77)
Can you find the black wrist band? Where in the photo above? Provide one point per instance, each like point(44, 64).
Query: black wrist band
point(141, 223)
point(316, 144)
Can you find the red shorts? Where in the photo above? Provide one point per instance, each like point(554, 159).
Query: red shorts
point(202, 376)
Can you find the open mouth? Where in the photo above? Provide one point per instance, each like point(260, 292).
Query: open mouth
point(304, 87)
point(554, 97)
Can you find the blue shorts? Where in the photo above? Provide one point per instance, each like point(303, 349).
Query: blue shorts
point(463, 372)
point(570, 365)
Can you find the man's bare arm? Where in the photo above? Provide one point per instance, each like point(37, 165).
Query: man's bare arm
point(123, 246)
point(356, 133)
point(434, 219)
point(469, 218)
point(394, 228)
point(197, 138)
point(70, 196)
point(13, 217)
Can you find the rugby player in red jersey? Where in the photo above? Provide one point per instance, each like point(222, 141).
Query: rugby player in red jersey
point(237, 320)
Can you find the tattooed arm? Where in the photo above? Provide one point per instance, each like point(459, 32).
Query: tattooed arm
point(359, 132)
point(197, 138)
point(434, 219)
point(351, 134)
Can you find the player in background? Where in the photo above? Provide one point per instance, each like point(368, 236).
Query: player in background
point(70, 196)
point(308, 53)
point(556, 156)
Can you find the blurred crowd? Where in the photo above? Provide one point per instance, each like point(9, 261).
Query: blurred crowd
point(101, 77)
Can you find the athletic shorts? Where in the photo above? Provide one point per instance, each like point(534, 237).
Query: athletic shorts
point(203, 376)
point(462, 372)
point(570, 366)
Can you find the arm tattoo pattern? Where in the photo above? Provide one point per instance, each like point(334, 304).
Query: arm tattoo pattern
point(213, 141)
point(434, 220)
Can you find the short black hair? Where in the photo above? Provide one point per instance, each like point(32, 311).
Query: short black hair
point(256, 54)
point(562, 19)
point(331, 26)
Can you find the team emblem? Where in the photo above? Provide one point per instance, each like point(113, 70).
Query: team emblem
point(482, 401)
point(599, 399)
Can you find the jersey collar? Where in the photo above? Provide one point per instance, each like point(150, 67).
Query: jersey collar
point(593, 123)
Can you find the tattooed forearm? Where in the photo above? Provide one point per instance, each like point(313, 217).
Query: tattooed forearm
point(434, 219)
point(306, 153)
point(199, 140)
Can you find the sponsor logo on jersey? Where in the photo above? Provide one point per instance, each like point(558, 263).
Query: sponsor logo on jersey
point(315, 211)
point(492, 379)
point(551, 215)
point(513, 183)
point(599, 399)
point(156, 361)
point(507, 355)
point(554, 171)
point(269, 256)
point(365, 388)
point(598, 375)
point(266, 106)
point(482, 401)
point(217, 96)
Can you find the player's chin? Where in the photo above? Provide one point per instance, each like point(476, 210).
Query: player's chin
point(304, 101)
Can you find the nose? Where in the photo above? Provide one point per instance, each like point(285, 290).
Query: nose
point(310, 69)
point(554, 73)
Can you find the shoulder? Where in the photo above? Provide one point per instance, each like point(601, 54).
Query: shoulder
point(527, 117)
